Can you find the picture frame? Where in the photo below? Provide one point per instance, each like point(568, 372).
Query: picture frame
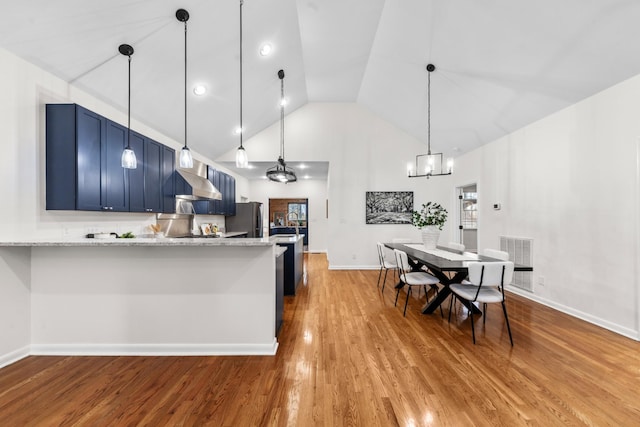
point(389, 207)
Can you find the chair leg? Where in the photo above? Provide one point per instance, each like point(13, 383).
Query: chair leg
point(384, 282)
point(397, 293)
point(484, 313)
point(473, 329)
point(406, 302)
point(379, 275)
point(506, 318)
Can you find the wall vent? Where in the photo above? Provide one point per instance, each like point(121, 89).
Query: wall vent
point(520, 252)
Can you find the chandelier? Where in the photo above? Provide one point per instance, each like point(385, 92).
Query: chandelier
point(430, 164)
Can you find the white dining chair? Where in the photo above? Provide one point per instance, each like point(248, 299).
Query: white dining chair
point(494, 253)
point(411, 278)
point(387, 262)
point(487, 281)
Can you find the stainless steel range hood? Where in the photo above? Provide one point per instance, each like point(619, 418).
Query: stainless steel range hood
point(201, 187)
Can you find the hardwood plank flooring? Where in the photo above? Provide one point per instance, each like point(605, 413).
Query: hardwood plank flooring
point(347, 356)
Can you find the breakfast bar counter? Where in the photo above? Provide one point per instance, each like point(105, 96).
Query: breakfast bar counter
point(159, 296)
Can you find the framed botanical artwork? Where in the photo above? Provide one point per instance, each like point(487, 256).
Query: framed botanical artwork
point(389, 207)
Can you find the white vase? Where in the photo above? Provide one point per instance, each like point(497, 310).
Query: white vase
point(430, 236)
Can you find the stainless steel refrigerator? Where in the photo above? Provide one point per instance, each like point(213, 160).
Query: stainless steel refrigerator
point(248, 218)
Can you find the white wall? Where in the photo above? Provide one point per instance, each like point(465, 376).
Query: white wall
point(314, 190)
point(570, 182)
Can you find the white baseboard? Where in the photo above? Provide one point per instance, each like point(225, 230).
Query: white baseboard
point(14, 356)
point(155, 349)
point(629, 333)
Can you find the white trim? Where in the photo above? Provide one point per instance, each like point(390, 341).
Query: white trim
point(629, 333)
point(14, 356)
point(637, 225)
point(155, 349)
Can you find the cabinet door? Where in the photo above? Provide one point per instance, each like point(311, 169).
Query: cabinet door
point(90, 130)
point(168, 180)
point(115, 178)
point(231, 195)
point(153, 177)
point(214, 177)
point(136, 176)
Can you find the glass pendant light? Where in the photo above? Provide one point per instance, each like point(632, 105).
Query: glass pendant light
point(242, 160)
point(128, 160)
point(186, 159)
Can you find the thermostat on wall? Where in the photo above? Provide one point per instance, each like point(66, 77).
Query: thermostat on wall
point(496, 206)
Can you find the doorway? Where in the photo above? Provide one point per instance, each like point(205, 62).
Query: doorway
point(286, 214)
point(468, 215)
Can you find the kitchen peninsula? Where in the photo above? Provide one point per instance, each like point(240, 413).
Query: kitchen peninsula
point(148, 296)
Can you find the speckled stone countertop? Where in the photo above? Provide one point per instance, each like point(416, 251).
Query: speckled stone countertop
point(163, 241)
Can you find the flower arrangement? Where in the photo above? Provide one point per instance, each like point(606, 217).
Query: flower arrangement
point(430, 214)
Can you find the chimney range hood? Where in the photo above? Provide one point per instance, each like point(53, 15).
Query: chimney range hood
point(201, 187)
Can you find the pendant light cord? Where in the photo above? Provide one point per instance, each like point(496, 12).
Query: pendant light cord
point(241, 129)
point(428, 112)
point(185, 84)
point(129, 109)
point(282, 118)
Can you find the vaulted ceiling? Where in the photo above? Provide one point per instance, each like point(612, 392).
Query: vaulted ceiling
point(501, 64)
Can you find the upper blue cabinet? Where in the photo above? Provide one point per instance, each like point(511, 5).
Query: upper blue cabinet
point(84, 169)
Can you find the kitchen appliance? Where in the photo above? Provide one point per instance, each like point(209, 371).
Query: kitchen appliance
point(248, 218)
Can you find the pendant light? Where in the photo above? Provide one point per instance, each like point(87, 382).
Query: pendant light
point(280, 172)
point(128, 155)
point(186, 159)
point(242, 160)
point(429, 164)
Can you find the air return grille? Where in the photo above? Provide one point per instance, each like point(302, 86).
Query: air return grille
point(520, 252)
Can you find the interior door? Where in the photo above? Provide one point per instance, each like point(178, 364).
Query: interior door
point(468, 217)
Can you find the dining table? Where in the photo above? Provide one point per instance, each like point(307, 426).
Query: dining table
point(447, 265)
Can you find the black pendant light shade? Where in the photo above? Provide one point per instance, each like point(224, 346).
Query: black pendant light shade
point(128, 160)
point(186, 159)
point(242, 160)
point(430, 164)
point(281, 172)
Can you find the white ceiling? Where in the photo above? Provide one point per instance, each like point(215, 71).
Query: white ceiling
point(501, 64)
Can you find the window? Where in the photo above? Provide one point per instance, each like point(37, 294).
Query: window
point(299, 209)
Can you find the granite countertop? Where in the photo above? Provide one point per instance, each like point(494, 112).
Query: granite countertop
point(286, 238)
point(138, 241)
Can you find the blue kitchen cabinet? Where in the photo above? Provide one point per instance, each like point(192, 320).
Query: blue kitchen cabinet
point(83, 161)
point(145, 182)
point(84, 170)
point(168, 180)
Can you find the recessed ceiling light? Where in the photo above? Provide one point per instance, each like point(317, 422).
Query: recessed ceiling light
point(266, 49)
point(284, 102)
point(200, 90)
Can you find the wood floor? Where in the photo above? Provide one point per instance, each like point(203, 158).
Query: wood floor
point(347, 356)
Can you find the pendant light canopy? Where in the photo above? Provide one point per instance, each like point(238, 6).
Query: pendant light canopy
point(186, 159)
point(280, 172)
point(128, 155)
point(429, 164)
point(242, 160)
